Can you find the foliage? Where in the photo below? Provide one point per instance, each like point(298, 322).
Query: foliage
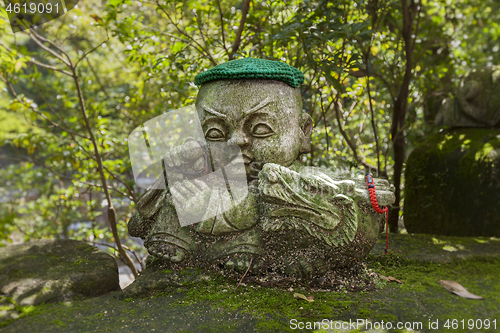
point(138, 59)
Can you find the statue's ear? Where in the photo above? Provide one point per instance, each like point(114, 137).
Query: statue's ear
point(306, 126)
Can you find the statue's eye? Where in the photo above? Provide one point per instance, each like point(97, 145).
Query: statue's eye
point(262, 130)
point(214, 134)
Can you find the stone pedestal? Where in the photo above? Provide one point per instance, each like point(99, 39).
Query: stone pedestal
point(453, 184)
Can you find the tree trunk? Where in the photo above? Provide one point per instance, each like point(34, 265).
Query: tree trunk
point(400, 108)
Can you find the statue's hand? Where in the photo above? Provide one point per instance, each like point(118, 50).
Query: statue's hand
point(186, 159)
point(383, 189)
point(191, 199)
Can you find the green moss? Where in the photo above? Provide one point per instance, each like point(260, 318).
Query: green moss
point(85, 247)
point(272, 326)
point(58, 322)
point(21, 310)
point(452, 184)
point(215, 305)
point(419, 278)
point(80, 262)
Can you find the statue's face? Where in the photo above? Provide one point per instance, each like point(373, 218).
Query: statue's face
point(263, 117)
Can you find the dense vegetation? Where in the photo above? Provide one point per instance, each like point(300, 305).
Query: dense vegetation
point(73, 89)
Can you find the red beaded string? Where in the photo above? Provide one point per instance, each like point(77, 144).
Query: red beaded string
point(370, 185)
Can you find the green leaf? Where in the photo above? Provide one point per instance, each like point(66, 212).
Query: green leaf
point(115, 2)
point(19, 64)
point(333, 81)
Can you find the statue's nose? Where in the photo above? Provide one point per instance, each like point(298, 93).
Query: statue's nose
point(240, 139)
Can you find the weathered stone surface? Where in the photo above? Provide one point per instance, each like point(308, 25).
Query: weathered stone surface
point(439, 249)
point(476, 102)
point(55, 270)
point(158, 277)
point(293, 220)
point(453, 184)
point(215, 306)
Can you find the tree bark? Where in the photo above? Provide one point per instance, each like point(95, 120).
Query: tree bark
point(237, 41)
point(400, 109)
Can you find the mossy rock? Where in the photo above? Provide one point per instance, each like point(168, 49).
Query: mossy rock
point(55, 270)
point(219, 304)
point(453, 184)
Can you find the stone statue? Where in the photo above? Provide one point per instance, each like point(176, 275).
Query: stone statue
point(477, 101)
point(293, 219)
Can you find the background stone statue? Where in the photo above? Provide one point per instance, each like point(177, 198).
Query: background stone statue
point(476, 103)
point(295, 219)
point(453, 177)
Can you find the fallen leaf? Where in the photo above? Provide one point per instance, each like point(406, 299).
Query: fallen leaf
point(457, 289)
point(390, 279)
point(310, 299)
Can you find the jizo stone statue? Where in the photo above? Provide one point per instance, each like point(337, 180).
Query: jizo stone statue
point(289, 219)
point(476, 102)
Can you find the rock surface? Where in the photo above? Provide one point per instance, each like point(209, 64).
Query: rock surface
point(54, 271)
point(453, 184)
point(419, 261)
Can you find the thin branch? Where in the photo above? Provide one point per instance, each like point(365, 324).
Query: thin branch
point(199, 24)
point(234, 290)
point(324, 123)
point(33, 61)
point(43, 39)
point(374, 127)
point(222, 27)
point(135, 255)
point(146, 27)
point(309, 86)
point(249, 265)
point(58, 175)
point(111, 209)
point(418, 25)
point(66, 128)
point(389, 88)
point(97, 78)
point(124, 246)
point(71, 133)
point(39, 43)
point(89, 52)
point(132, 194)
point(351, 144)
point(244, 11)
point(16, 96)
point(246, 40)
point(203, 50)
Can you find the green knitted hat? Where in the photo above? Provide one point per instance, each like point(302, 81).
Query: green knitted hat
point(252, 68)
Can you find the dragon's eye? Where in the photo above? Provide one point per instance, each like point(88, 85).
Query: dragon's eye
point(214, 134)
point(262, 130)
